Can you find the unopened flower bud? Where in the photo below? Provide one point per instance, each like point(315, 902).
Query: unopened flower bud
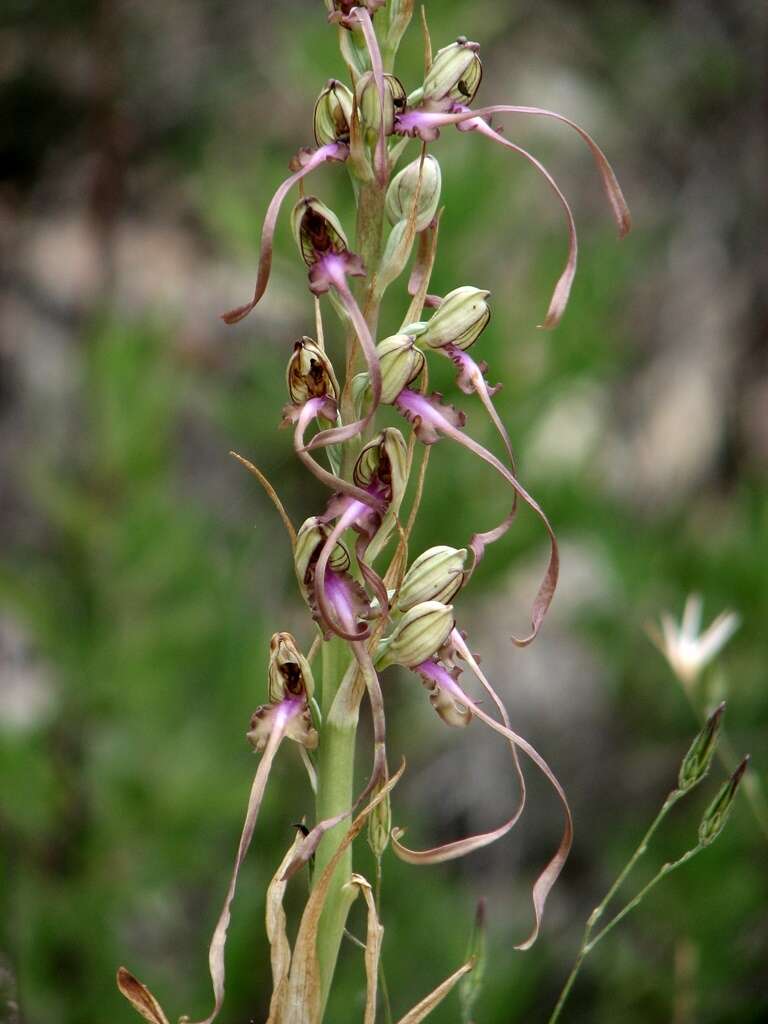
point(368, 102)
point(317, 230)
point(404, 186)
point(310, 538)
point(289, 672)
point(310, 373)
point(333, 113)
point(400, 362)
point(459, 320)
point(698, 759)
point(718, 812)
point(454, 75)
point(421, 631)
point(383, 463)
point(436, 575)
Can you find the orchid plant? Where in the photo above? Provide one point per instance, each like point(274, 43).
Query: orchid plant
point(374, 605)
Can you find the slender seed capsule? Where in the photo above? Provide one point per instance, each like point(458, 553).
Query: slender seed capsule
point(455, 74)
point(718, 812)
point(698, 759)
point(317, 230)
point(436, 575)
point(459, 320)
point(289, 673)
point(404, 186)
point(400, 362)
point(368, 102)
point(333, 113)
point(310, 373)
point(418, 635)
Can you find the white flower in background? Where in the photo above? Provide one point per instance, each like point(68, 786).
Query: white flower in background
point(687, 649)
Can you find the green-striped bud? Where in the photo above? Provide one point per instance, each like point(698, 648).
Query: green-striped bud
point(333, 113)
point(384, 460)
point(401, 362)
point(698, 759)
point(404, 186)
point(459, 320)
point(310, 538)
point(718, 812)
point(368, 102)
point(455, 73)
point(309, 373)
point(420, 633)
point(288, 672)
point(436, 575)
point(317, 230)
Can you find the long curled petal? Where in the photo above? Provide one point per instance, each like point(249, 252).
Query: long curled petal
point(412, 120)
point(314, 407)
point(549, 875)
point(461, 847)
point(431, 420)
point(562, 289)
point(285, 712)
point(332, 151)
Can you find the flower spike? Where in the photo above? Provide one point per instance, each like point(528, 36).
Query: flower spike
point(307, 161)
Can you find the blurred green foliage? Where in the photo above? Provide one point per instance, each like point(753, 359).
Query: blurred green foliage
point(147, 596)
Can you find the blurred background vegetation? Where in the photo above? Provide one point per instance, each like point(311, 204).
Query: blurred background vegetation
point(143, 571)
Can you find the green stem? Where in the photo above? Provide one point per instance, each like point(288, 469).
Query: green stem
point(663, 871)
point(336, 758)
point(666, 807)
point(587, 944)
